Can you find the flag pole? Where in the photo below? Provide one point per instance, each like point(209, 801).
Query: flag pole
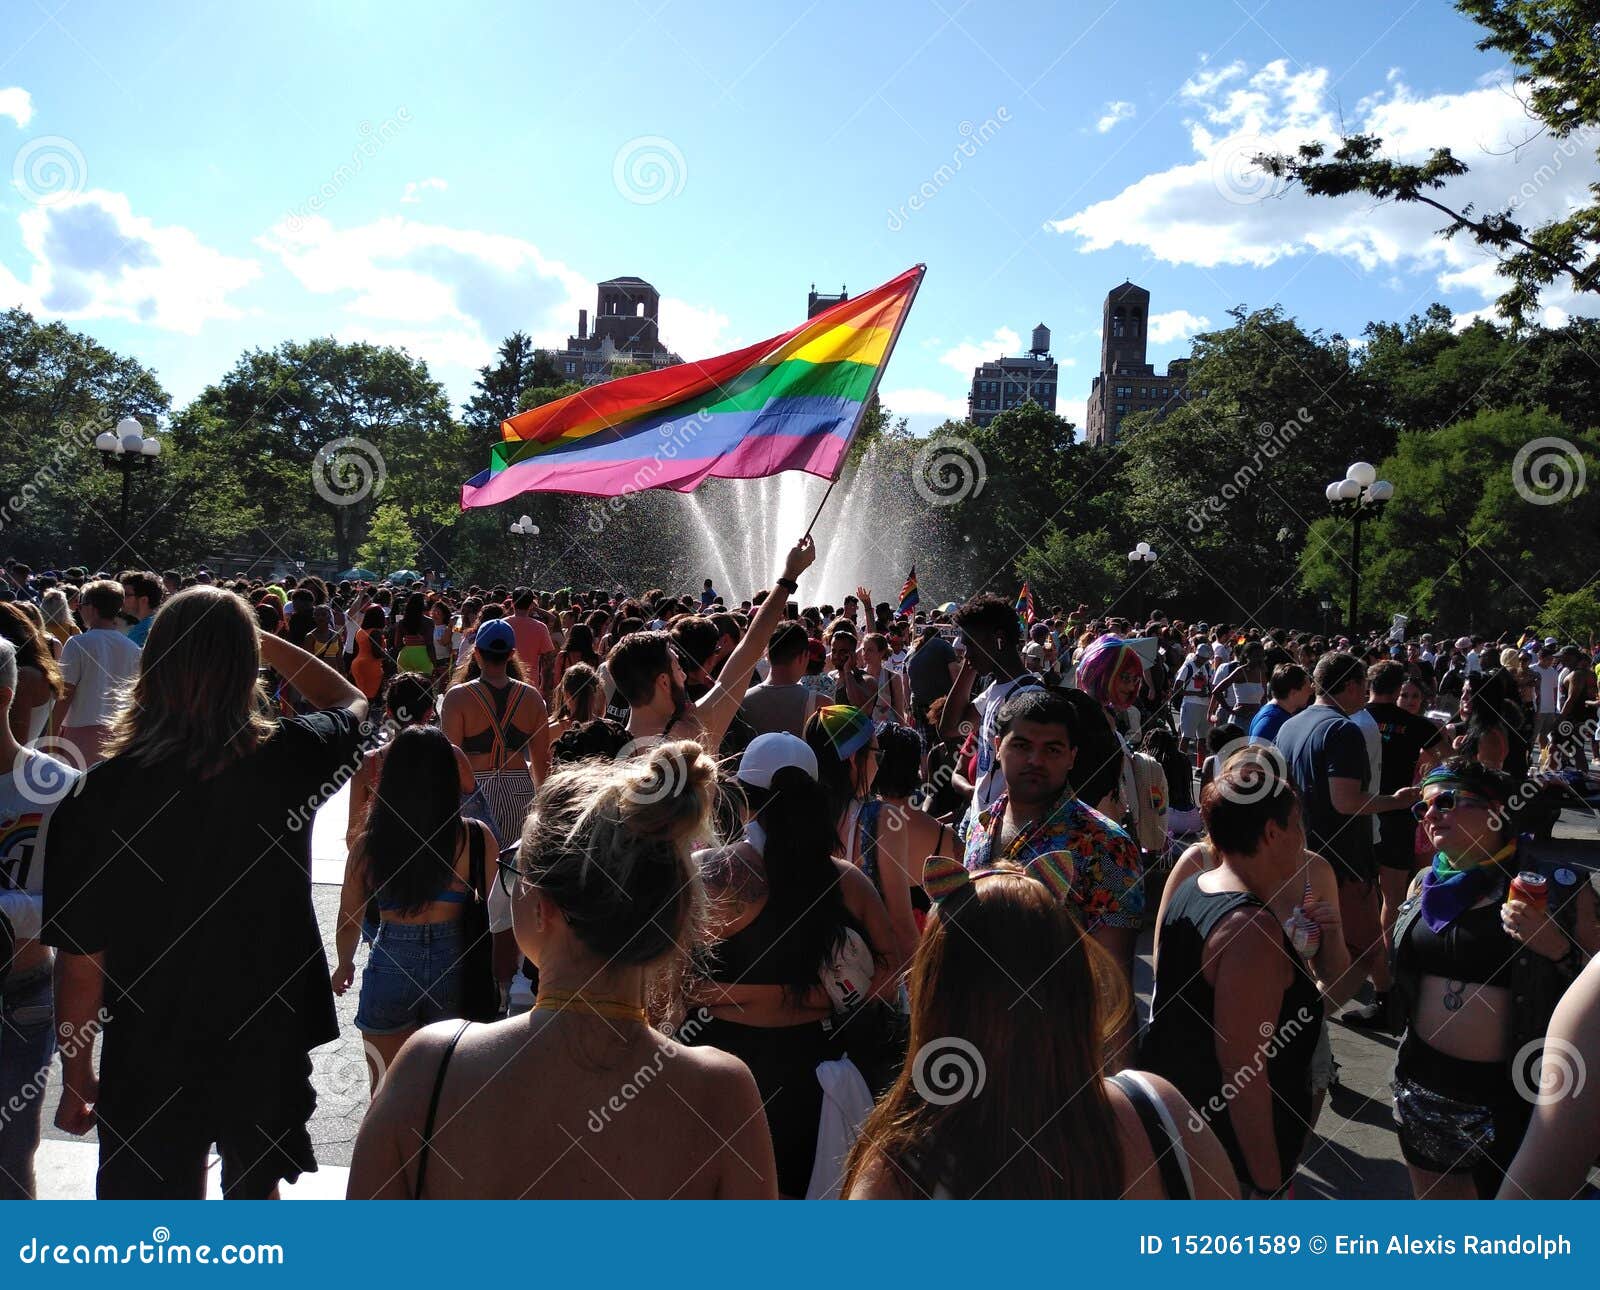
point(872, 390)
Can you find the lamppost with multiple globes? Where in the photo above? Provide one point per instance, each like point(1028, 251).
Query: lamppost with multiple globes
point(1140, 559)
point(127, 448)
point(525, 527)
point(1359, 491)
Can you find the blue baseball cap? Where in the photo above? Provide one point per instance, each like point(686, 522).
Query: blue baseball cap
point(495, 639)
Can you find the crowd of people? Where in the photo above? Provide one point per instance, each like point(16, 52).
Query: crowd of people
point(658, 894)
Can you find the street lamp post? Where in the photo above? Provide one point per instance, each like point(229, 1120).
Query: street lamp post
point(127, 448)
point(525, 527)
point(1359, 490)
point(1139, 560)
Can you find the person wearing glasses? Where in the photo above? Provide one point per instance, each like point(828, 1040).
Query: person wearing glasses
point(1479, 965)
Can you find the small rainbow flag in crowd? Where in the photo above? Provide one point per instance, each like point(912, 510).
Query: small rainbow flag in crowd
point(793, 402)
point(908, 593)
point(1025, 607)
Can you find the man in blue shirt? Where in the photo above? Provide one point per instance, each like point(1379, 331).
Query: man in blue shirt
point(1290, 689)
point(1326, 754)
point(142, 594)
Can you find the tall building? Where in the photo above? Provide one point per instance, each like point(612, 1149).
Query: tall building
point(1126, 383)
point(1010, 382)
point(626, 330)
point(815, 304)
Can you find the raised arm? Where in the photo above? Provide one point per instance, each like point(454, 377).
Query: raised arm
point(717, 707)
point(320, 685)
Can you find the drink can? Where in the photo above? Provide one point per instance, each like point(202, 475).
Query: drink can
point(1530, 888)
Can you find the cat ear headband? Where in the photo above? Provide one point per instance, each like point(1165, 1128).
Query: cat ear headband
point(943, 877)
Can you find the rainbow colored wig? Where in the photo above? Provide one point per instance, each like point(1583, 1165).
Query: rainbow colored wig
point(1107, 658)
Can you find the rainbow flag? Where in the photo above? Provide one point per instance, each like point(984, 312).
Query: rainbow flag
point(1025, 608)
point(789, 403)
point(908, 593)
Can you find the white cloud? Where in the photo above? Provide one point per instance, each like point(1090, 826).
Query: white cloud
point(692, 332)
point(92, 257)
point(1073, 410)
point(416, 187)
point(450, 295)
point(969, 354)
point(444, 281)
point(1219, 208)
point(17, 104)
point(920, 402)
point(1115, 111)
point(1177, 324)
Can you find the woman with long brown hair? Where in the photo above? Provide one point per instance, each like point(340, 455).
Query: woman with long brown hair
point(1003, 1096)
point(39, 682)
point(180, 872)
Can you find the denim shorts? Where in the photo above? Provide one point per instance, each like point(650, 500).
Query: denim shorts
point(27, 1042)
point(413, 977)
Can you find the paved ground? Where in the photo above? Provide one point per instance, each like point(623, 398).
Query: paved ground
point(1353, 1153)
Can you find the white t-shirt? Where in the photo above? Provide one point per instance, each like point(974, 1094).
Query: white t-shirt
point(28, 794)
point(1548, 678)
point(1368, 725)
point(100, 663)
point(1474, 664)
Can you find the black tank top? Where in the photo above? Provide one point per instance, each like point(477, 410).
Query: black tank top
point(1182, 1044)
point(1476, 948)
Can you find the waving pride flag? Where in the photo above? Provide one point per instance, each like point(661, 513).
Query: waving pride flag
point(793, 402)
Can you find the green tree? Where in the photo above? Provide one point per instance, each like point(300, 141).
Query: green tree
point(1226, 483)
point(1555, 46)
point(1065, 569)
point(498, 390)
point(313, 425)
point(390, 542)
point(1486, 513)
point(1572, 616)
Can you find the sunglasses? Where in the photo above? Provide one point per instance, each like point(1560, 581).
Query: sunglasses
point(506, 863)
point(1447, 800)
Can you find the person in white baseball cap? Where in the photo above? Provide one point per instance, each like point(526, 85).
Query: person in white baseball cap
point(769, 753)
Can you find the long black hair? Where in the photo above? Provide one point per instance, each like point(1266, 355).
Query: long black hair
point(415, 821)
point(803, 893)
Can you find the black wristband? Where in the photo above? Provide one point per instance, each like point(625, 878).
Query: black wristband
point(789, 585)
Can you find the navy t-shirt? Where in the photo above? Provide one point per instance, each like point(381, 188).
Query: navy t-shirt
point(1320, 744)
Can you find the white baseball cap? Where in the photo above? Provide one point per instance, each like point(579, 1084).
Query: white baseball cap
point(770, 753)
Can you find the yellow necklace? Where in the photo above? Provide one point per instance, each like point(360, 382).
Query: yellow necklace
point(577, 1001)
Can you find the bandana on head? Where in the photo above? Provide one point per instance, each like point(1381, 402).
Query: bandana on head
point(848, 729)
point(1105, 659)
point(1448, 892)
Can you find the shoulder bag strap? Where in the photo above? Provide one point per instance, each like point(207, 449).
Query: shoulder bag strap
point(1166, 1141)
point(433, 1111)
point(476, 878)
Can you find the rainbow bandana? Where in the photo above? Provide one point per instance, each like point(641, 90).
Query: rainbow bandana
point(848, 729)
point(1448, 892)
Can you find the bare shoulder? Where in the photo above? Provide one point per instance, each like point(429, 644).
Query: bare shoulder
point(1250, 934)
point(876, 1180)
point(734, 871)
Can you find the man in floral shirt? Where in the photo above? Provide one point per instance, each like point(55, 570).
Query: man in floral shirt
point(1039, 824)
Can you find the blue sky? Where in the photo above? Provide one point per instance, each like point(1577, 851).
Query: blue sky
point(189, 182)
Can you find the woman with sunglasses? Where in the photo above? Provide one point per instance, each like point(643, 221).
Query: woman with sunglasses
point(586, 1096)
point(1479, 964)
point(1012, 1005)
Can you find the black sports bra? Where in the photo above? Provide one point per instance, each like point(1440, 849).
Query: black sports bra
point(1475, 949)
